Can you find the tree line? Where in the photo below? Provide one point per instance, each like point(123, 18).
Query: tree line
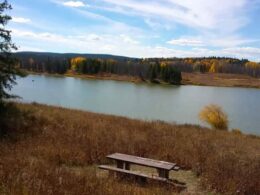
point(155, 72)
point(153, 69)
point(215, 65)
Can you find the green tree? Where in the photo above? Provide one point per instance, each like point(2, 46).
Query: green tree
point(152, 73)
point(170, 75)
point(8, 65)
point(174, 76)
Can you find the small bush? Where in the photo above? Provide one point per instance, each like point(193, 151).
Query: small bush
point(16, 123)
point(215, 116)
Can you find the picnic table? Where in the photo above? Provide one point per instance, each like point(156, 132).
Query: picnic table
point(124, 162)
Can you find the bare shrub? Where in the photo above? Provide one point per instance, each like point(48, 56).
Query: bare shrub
point(214, 116)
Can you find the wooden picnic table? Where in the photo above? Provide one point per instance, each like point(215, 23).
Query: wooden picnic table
point(123, 161)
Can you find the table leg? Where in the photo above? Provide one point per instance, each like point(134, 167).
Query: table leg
point(119, 164)
point(163, 173)
point(166, 174)
point(127, 166)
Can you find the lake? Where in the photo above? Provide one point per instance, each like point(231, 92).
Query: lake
point(180, 104)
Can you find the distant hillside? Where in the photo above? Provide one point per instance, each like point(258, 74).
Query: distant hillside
point(45, 55)
point(145, 68)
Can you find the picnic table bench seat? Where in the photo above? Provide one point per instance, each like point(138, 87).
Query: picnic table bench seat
point(134, 173)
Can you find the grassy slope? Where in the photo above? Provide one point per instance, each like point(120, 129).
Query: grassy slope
point(220, 79)
point(52, 150)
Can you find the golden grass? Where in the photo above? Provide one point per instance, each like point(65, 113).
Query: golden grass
point(40, 155)
point(220, 80)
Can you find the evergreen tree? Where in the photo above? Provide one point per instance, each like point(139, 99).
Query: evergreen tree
point(152, 73)
point(8, 65)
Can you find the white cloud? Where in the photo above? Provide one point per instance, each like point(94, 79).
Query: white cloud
point(94, 37)
point(157, 25)
point(229, 41)
point(21, 20)
point(115, 27)
point(212, 41)
point(28, 48)
point(89, 14)
point(44, 36)
point(128, 39)
point(186, 42)
point(88, 37)
point(74, 4)
point(221, 15)
point(120, 45)
point(250, 52)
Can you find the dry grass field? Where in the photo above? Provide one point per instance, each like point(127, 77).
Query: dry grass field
point(220, 80)
point(50, 150)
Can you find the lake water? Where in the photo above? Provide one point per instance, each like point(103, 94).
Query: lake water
point(180, 104)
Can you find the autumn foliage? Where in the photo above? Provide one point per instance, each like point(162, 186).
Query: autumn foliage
point(214, 116)
point(76, 62)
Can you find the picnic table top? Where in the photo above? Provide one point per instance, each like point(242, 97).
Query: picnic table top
point(142, 161)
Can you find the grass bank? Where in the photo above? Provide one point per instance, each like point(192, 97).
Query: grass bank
point(50, 150)
point(220, 80)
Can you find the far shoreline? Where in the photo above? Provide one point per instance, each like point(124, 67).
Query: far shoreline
point(196, 79)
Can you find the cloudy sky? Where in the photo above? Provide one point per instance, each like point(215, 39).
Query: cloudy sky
point(139, 28)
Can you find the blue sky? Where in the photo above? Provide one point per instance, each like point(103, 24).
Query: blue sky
point(139, 28)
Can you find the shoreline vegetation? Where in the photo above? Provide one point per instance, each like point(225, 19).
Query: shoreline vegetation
point(208, 71)
point(53, 150)
point(197, 79)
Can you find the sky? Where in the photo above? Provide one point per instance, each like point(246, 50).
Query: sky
point(139, 28)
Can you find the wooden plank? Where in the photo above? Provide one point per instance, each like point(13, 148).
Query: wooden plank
point(142, 161)
point(134, 173)
point(176, 168)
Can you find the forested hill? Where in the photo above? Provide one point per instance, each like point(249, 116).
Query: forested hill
point(44, 55)
point(155, 69)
